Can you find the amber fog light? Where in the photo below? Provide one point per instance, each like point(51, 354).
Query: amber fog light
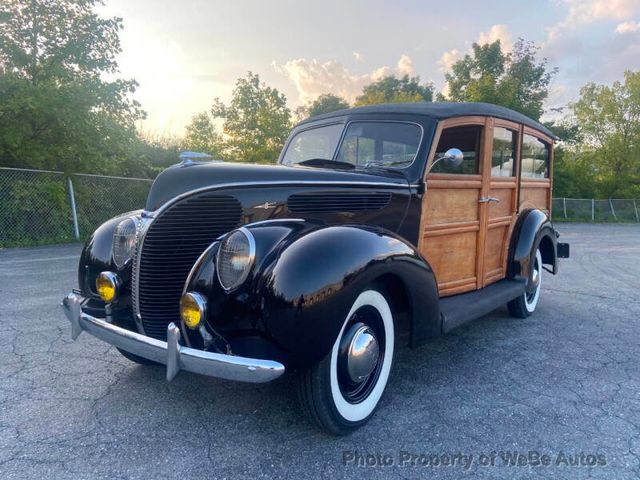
point(107, 286)
point(193, 309)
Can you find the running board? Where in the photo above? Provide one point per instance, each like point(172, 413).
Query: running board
point(460, 309)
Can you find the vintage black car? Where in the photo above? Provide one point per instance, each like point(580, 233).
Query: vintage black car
point(435, 213)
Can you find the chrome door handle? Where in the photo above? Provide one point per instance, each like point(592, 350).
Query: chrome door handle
point(488, 199)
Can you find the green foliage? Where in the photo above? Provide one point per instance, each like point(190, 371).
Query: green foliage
point(391, 89)
point(202, 137)
point(58, 111)
point(157, 152)
point(98, 199)
point(256, 122)
point(325, 104)
point(23, 201)
point(601, 158)
point(516, 80)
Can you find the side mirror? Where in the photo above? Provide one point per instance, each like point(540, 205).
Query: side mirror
point(452, 158)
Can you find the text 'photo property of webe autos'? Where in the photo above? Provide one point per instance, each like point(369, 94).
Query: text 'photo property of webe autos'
point(436, 213)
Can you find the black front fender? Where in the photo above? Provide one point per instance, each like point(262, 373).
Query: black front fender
point(307, 291)
point(97, 255)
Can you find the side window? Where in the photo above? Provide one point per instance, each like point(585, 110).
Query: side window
point(503, 153)
point(468, 140)
point(535, 157)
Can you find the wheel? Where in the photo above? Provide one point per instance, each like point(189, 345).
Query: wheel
point(526, 304)
point(136, 358)
point(343, 390)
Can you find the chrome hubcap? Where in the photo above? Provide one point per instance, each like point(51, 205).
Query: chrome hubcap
point(535, 278)
point(532, 288)
point(362, 352)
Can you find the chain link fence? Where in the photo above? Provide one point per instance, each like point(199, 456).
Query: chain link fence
point(591, 210)
point(41, 207)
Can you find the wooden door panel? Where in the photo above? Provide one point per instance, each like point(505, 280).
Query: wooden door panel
point(451, 230)
point(493, 256)
point(500, 219)
point(452, 255)
point(450, 206)
point(503, 193)
point(450, 222)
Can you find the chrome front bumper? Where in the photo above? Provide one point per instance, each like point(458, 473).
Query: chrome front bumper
point(175, 356)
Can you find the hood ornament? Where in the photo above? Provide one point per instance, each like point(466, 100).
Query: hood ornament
point(266, 205)
point(189, 158)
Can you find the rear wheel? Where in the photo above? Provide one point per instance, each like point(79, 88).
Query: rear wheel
point(526, 304)
point(343, 390)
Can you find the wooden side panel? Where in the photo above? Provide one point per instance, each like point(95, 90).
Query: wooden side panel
point(467, 241)
point(535, 194)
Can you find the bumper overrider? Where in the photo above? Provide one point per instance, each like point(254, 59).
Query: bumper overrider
point(170, 353)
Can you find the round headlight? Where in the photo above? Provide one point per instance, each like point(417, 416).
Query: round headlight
point(235, 258)
point(124, 241)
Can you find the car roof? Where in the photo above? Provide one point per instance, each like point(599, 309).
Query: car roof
point(439, 111)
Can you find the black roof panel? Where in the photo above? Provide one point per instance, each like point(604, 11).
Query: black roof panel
point(439, 111)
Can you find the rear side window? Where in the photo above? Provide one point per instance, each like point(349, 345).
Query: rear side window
point(535, 157)
point(386, 144)
point(467, 139)
point(503, 153)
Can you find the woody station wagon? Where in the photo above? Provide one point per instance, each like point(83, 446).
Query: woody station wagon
point(434, 213)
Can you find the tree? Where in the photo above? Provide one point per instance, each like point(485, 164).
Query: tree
point(608, 119)
point(58, 110)
point(201, 136)
point(256, 122)
point(516, 80)
point(391, 89)
point(325, 103)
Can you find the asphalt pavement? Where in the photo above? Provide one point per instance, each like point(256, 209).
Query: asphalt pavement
point(553, 396)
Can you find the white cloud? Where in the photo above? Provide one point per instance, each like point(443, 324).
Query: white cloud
point(588, 11)
point(628, 27)
point(405, 65)
point(357, 56)
point(448, 59)
point(497, 32)
point(584, 12)
point(314, 77)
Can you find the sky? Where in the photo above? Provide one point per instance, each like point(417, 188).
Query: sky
point(186, 53)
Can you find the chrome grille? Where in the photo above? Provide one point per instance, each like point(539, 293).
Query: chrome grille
point(168, 249)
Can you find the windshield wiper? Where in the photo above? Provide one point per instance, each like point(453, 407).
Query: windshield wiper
point(383, 164)
point(325, 162)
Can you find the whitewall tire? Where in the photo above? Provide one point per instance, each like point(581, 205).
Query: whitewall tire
point(527, 303)
point(344, 389)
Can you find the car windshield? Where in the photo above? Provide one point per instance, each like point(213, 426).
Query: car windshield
point(313, 144)
point(367, 144)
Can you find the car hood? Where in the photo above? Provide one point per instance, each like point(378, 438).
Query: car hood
point(181, 178)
